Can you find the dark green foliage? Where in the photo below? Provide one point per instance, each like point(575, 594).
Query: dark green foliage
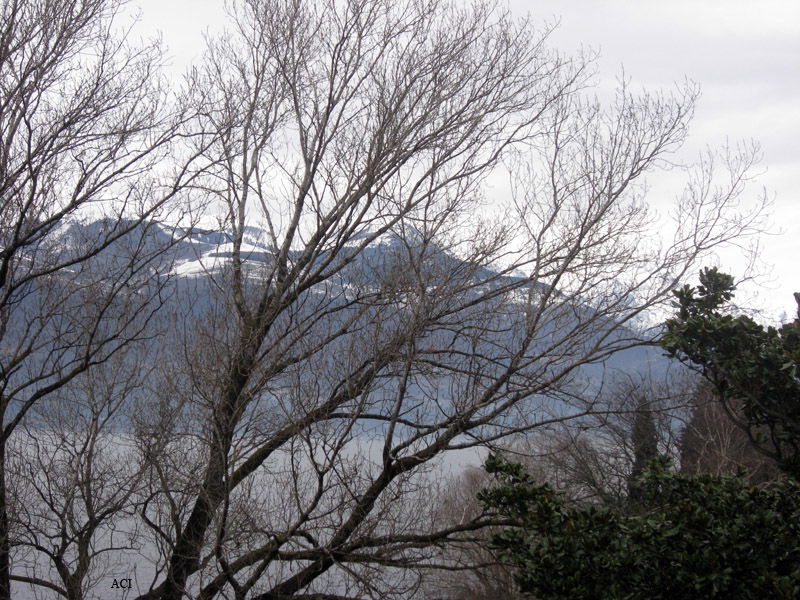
point(752, 368)
point(690, 538)
point(644, 440)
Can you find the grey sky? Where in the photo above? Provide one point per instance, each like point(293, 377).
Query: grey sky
point(744, 54)
point(746, 57)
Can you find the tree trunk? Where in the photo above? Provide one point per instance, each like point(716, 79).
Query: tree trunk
point(5, 558)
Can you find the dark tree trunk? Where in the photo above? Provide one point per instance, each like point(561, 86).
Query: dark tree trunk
point(5, 558)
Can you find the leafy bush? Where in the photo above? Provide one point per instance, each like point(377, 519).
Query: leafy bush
point(754, 370)
point(687, 537)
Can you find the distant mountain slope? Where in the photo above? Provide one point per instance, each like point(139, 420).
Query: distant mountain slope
point(200, 256)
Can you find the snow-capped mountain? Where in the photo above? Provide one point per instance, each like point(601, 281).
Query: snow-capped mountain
point(372, 261)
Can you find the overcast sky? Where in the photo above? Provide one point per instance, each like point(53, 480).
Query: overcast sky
point(746, 57)
point(744, 54)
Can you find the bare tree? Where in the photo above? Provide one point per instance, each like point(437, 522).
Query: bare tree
point(85, 123)
point(327, 380)
point(713, 443)
point(338, 124)
point(77, 476)
point(468, 569)
point(373, 317)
